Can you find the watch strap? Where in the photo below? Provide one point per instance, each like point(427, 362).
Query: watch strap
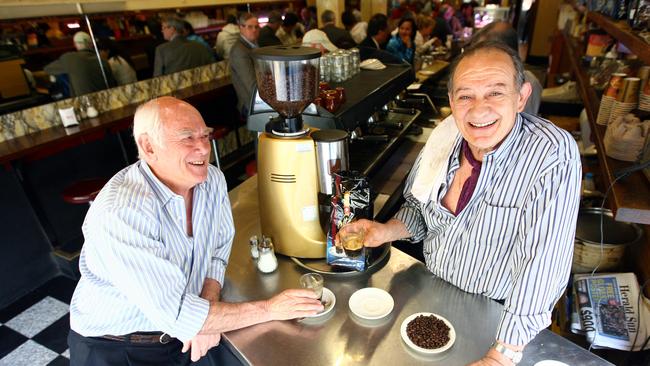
point(514, 356)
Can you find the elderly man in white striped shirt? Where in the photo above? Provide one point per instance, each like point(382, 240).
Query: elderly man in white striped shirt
point(494, 195)
point(158, 238)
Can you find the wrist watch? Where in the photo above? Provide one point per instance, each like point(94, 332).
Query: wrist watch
point(514, 356)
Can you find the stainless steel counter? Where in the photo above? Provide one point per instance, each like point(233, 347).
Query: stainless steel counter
point(342, 339)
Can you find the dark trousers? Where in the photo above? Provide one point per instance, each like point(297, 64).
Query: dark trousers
point(97, 351)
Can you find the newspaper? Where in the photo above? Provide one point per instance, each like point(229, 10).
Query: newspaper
point(608, 312)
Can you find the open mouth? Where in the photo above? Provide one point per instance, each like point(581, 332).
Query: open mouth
point(482, 124)
point(197, 163)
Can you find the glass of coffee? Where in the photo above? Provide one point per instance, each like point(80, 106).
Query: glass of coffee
point(314, 282)
point(352, 239)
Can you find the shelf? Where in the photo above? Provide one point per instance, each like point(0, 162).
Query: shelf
point(620, 30)
point(629, 198)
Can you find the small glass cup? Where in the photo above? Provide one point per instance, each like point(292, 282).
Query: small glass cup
point(351, 237)
point(313, 281)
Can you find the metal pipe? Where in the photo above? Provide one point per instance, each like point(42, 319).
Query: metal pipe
point(92, 37)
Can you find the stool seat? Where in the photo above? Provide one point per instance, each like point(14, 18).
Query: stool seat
point(83, 191)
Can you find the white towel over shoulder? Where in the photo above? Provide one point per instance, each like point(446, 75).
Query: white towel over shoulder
point(435, 157)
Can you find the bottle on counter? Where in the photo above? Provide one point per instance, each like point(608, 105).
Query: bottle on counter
point(267, 261)
point(254, 244)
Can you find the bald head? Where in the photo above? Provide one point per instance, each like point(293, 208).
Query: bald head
point(151, 117)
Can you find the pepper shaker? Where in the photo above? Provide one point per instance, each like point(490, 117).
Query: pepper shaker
point(254, 243)
point(267, 261)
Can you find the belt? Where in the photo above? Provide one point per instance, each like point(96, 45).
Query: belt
point(142, 337)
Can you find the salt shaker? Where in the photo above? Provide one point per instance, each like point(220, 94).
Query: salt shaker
point(254, 243)
point(267, 261)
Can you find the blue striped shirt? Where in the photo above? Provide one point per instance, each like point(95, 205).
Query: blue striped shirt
point(514, 239)
point(140, 271)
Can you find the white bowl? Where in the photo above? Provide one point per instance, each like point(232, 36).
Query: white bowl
point(330, 301)
point(371, 303)
point(407, 340)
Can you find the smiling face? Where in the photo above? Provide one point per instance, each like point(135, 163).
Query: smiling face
point(484, 99)
point(180, 161)
point(405, 30)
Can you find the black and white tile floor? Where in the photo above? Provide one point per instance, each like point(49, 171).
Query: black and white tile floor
point(34, 329)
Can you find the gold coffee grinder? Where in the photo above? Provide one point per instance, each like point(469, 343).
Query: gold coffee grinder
point(287, 159)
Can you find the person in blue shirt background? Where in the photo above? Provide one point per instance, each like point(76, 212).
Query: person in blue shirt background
point(402, 44)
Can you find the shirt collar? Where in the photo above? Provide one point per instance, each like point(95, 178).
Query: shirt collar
point(251, 44)
point(376, 43)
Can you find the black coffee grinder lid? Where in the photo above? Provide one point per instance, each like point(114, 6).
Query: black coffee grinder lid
point(286, 53)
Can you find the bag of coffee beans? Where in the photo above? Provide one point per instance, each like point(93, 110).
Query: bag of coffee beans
point(351, 201)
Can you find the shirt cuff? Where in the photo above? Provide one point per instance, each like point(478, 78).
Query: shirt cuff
point(194, 312)
point(519, 330)
point(217, 270)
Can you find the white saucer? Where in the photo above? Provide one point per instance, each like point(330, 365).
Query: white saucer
point(371, 303)
point(427, 72)
point(330, 301)
point(407, 340)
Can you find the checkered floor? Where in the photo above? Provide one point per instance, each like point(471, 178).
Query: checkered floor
point(34, 329)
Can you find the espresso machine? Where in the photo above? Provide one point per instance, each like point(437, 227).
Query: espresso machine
point(294, 162)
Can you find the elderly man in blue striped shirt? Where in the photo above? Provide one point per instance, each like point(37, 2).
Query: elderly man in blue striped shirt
point(158, 238)
point(494, 195)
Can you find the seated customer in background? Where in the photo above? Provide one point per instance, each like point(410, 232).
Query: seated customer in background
point(494, 195)
point(267, 33)
point(178, 53)
point(227, 37)
point(157, 242)
point(504, 32)
point(288, 33)
point(82, 67)
point(358, 29)
point(402, 44)
point(374, 45)
point(340, 37)
point(120, 62)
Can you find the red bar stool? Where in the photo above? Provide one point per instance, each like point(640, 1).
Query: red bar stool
point(83, 191)
point(218, 132)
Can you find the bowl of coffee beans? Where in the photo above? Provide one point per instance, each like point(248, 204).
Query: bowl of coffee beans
point(428, 333)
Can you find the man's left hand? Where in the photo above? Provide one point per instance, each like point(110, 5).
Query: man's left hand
point(493, 358)
point(200, 345)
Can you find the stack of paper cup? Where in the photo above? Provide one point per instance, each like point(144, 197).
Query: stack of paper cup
point(609, 97)
point(644, 95)
point(627, 99)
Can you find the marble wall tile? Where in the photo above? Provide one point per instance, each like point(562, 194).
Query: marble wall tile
point(31, 120)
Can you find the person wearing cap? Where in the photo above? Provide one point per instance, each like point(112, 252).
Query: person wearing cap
point(178, 53)
point(340, 37)
point(267, 33)
point(242, 67)
point(82, 67)
point(227, 37)
point(318, 38)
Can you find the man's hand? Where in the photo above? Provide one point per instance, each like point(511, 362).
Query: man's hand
point(407, 41)
point(201, 344)
point(495, 358)
point(377, 234)
point(293, 303)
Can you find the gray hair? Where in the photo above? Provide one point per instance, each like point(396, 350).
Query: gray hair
point(175, 23)
point(489, 46)
point(147, 121)
point(243, 18)
point(328, 16)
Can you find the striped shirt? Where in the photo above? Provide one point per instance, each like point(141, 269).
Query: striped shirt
point(514, 239)
point(139, 269)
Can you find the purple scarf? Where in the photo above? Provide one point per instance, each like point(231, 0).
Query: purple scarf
point(470, 183)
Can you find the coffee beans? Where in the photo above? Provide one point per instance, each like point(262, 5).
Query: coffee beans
point(290, 92)
point(428, 332)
